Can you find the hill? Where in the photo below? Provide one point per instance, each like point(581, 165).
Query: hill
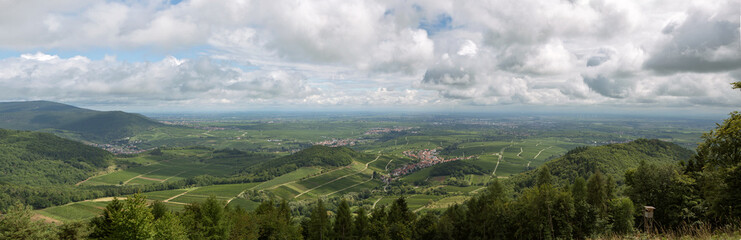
point(73, 122)
point(35, 158)
point(315, 156)
point(611, 159)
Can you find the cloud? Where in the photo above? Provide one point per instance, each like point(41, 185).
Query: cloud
point(707, 40)
point(42, 76)
point(339, 53)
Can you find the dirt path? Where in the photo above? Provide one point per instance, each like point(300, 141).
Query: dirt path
point(108, 170)
point(337, 179)
point(371, 179)
point(536, 156)
point(176, 196)
point(152, 179)
point(387, 164)
point(501, 155)
point(518, 154)
point(127, 181)
point(376, 202)
point(168, 178)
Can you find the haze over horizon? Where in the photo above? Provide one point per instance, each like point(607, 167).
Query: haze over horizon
point(610, 55)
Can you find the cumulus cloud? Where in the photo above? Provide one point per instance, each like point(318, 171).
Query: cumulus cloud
point(707, 40)
point(531, 52)
point(42, 76)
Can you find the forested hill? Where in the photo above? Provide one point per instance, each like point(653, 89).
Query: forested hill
point(315, 156)
point(35, 158)
point(90, 125)
point(612, 160)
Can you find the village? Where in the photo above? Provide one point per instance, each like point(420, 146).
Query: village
point(427, 158)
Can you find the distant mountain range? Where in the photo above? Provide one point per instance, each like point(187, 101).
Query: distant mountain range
point(72, 122)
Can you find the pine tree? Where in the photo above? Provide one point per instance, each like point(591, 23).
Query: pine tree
point(361, 226)
point(343, 222)
point(16, 223)
point(319, 226)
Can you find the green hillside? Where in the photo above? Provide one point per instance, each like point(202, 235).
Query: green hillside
point(34, 158)
point(611, 159)
point(72, 121)
point(315, 156)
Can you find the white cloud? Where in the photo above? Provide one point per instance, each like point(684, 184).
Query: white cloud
point(42, 76)
point(587, 52)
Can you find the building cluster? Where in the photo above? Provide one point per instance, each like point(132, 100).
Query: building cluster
point(427, 158)
point(119, 149)
point(373, 131)
point(338, 142)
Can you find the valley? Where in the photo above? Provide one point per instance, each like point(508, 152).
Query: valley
point(245, 160)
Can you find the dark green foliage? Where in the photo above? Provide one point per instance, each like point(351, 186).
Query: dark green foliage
point(91, 125)
point(342, 228)
point(73, 231)
point(130, 219)
point(597, 192)
point(33, 158)
point(622, 211)
point(455, 169)
point(612, 160)
point(663, 187)
point(378, 226)
point(206, 220)
point(361, 225)
point(318, 225)
point(16, 224)
point(275, 222)
point(426, 227)
point(317, 155)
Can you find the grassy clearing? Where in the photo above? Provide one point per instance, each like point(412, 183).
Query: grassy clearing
point(162, 195)
point(225, 190)
point(289, 177)
point(190, 198)
point(75, 211)
point(245, 204)
point(316, 181)
point(448, 201)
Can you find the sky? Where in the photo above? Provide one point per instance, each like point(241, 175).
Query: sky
point(241, 55)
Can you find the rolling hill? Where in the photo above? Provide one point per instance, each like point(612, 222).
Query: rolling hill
point(611, 159)
point(315, 156)
point(72, 122)
point(35, 158)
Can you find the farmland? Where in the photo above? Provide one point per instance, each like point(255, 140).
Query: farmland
point(227, 148)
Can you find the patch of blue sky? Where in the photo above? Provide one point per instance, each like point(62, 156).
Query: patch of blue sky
point(441, 22)
point(128, 55)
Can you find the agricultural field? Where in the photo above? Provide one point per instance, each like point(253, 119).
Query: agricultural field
point(501, 147)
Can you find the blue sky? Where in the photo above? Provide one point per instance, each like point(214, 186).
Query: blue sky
point(428, 55)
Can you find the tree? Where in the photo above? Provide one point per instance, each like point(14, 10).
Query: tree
point(597, 193)
point(622, 212)
point(343, 222)
point(400, 220)
point(16, 223)
point(73, 231)
point(131, 219)
point(206, 220)
point(319, 226)
point(585, 215)
point(544, 176)
point(378, 226)
point(243, 225)
point(168, 227)
point(426, 227)
point(361, 224)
